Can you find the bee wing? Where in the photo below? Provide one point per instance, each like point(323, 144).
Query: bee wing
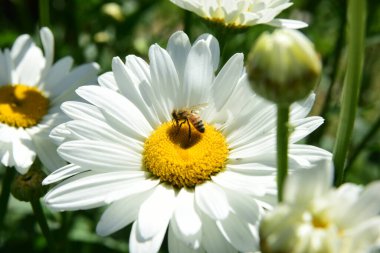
point(197, 108)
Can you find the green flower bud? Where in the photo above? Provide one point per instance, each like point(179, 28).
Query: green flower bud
point(283, 66)
point(29, 186)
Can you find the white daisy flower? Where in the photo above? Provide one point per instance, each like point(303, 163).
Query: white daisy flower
point(208, 190)
point(31, 91)
point(315, 217)
point(241, 13)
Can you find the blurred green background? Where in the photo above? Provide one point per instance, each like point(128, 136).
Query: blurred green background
point(96, 30)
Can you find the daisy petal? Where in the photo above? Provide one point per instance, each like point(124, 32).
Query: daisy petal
point(88, 189)
point(300, 156)
point(178, 49)
point(300, 109)
point(56, 73)
point(6, 134)
point(82, 111)
point(107, 80)
point(47, 152)
point(288, 23)
point(30, 73)
point(115, 217)
point(212, 240)
point(98, 155)
point(213, 45)
point(148, 185)
point(164, 78)
point(128, 85)
point(318, 181)
point(305, 156)
point(367, 205)
point(364, 237)
point(244, 206)
point(243, 183)
point(5, 67)
point(211, 199)
point(20, 47)
point(131, 121)
point(62, 173)
point(186, 222)
point(23, 151)
point(155, 212)
point(304, 127)
point(237, 232)
point(60, 133)
point(227, 79)
point(125, 81)
point(47, 40)
point(198, 75)
point(138, 67)
point(6, 157)
point(101, 132)
point(80, 75)
point(176, 245)
point(252, 169)
point(140, 244)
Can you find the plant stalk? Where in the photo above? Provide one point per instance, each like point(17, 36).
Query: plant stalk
point(282, 147)
point(41, 219)
point(356, 34)
point(44, 13)
point(5, 192)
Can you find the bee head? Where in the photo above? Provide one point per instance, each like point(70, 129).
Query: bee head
point(174, 114)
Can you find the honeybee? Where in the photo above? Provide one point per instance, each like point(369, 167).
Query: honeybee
point(189, 115)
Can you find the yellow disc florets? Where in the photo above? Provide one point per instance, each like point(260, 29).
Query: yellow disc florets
point(170, 155)
point(22, 106)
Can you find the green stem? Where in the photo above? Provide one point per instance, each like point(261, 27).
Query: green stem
point(187, 23)
point(222, 36)
point(44, 12)
point(315, 137)
point(41, 219)
point(367, 138)
point(5, 192)
point(282, 147)
point(356, 32)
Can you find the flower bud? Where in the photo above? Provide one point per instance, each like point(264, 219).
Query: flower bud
point(283, 66)
point(29, 186)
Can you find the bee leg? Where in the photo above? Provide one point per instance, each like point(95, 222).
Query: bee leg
point(179, 126)
point(176, 125)
point(188, 124)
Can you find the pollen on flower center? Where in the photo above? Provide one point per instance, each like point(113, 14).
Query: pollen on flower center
point(320, 222)
point(236, 24)
point(172, 157)
point(22, 106)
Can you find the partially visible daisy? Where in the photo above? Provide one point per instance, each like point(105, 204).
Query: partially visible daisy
point(315, 217)
point(31, 91)
point(241, 13)
point(208, 191)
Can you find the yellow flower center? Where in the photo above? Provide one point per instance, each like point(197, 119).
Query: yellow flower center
point(320, 221)
point(22, 106)
point(170, 155)
point(233, 25)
